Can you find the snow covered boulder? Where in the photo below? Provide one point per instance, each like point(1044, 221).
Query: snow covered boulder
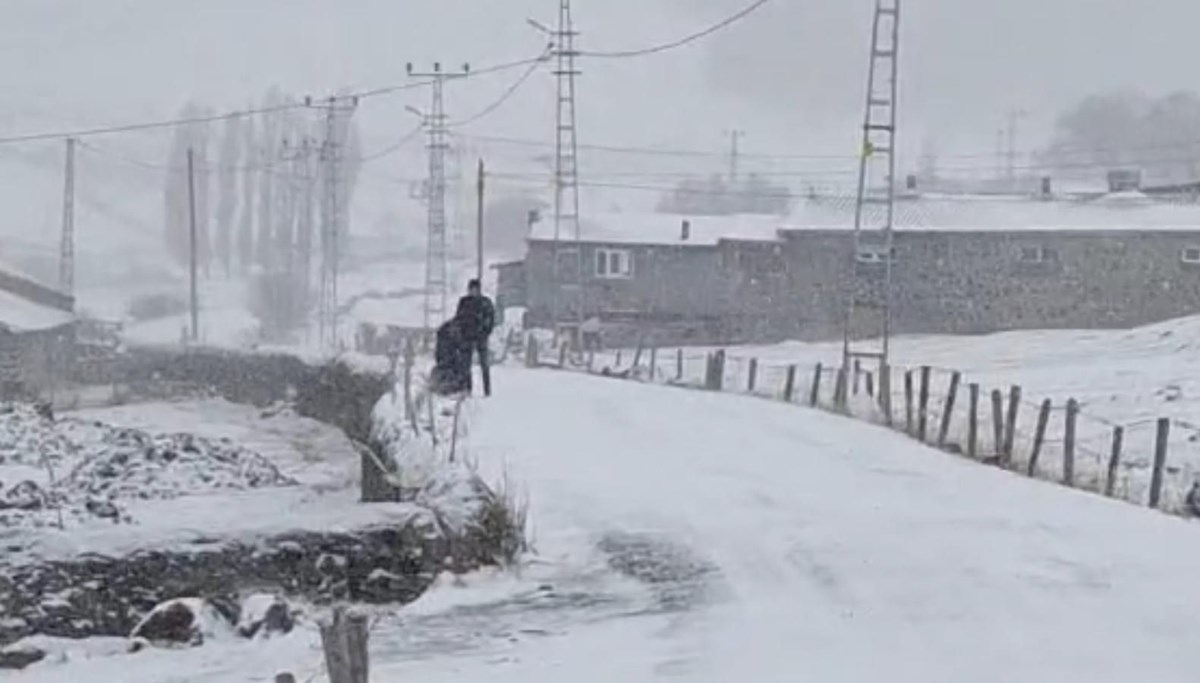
point(20, 655)
point(183, 621)
point(263, 616)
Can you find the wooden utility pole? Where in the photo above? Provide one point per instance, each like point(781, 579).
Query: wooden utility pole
point(66, 258)
point(479, 225)
point(192, 257)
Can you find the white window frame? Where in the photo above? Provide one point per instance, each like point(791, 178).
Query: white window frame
point(604, 260)
point(1042, 254)
point(872, 254)
point(1190, 255)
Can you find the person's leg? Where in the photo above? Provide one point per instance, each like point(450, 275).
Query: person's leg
point(484, 366)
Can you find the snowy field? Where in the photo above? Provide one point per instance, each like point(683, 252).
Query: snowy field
point(166, 473)
point(707, 537)
point(1119, 377)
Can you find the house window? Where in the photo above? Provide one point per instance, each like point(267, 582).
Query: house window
point(872, 253)
point(614, 263)
point(1037, 254)
point(1190, 255)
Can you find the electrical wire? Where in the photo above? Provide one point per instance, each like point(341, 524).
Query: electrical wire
point(392, 148)
point(512, 90)
point(655, 49)
point(210, 118)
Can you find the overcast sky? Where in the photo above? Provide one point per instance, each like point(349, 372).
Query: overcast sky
point(797, 63)
point(792, 75)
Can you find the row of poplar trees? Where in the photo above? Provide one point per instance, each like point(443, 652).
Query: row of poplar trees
point(261, 188)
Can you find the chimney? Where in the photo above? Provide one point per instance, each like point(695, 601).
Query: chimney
point(1047, 187)
point(685, 230)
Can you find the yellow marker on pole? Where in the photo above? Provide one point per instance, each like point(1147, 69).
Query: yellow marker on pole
point(868, 148)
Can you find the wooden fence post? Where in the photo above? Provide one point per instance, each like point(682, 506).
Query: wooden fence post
point(973, 420)
point(1039, 436)
point(857, 374)
point(870, 380)
point(885, 392)
point(720, 369)
point(1160, 460)
point(923, 404)
point(591, 360)
point(562, 356)
point(753, 378)
point(1069, 443)
point(708, 371)
point(814, 394)
point(617, 363)
point(998, 421)
point(410, 359)
point(1114, 460)
point(1010, 424)
point(948, 413)
point(908, 402)
point(653, 363)
point(531, 351)
point(679, 365)
point(841, 390)
point(789, 384)
point(344, 641)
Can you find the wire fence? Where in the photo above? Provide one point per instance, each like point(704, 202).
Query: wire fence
point(1146, 461)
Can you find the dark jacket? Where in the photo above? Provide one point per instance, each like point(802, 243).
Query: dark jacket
point(451, 373)
point(477, 317)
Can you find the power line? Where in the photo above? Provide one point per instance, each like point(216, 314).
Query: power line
point(655, 151)
point(210, 118)
point(512, 90)
point(394, 147)
point(724, 23)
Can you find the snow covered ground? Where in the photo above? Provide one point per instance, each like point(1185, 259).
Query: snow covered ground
point(768, 542)
point(249, 473)
point(1120, 377)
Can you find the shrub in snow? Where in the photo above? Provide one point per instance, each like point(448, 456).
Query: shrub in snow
point(183, 621)
point(20, 655)
point(264, 615)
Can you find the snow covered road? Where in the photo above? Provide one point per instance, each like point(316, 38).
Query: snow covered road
point(842, 551)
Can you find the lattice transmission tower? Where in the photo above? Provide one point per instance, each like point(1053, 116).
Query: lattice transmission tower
point(868, 292)
point(436, 129)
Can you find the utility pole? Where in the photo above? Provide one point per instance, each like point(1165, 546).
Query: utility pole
point(734, 136)
point(66, 258)
point(435, 193)
point(192, 257)
point(479, 224)
point(568, 296)
point(338, 110)
point(1010, 170)
point(868, 294)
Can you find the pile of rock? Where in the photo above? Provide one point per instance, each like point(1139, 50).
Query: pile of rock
point(184, 622)
point(77, 469)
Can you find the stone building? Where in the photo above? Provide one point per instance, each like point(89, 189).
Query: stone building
point(37, 329)
point(960, 265)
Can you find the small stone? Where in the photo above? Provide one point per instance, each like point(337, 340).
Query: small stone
point(264, 616)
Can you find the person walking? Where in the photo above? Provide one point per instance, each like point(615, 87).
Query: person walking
point(477, 318)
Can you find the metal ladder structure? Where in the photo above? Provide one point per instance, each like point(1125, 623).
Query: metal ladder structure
point(568, 274)
point(868, 289)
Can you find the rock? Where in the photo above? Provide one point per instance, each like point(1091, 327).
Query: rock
point(20, 655)
point(183, 621)
point(264, 616)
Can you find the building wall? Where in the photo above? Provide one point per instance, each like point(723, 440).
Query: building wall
point(33, 364)
point(943, 282)
point(977, 282)
point(666, 281)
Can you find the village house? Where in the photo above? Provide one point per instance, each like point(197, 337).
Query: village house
point(37, 330)
point(961, 264)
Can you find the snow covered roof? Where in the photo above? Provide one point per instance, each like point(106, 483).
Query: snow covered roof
point(951, 213)
point(663, 228)
point(18, 314)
